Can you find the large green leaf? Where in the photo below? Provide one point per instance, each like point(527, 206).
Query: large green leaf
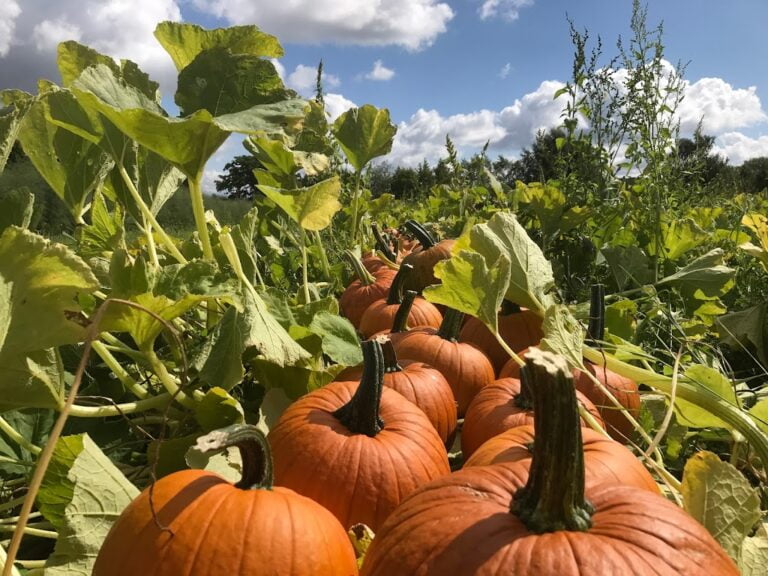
point(39, 285)
point(563, 334)
point(678, 236)
point(691, 415)
point(34, 425)
point(278, 161)
point(705, 277)
point(72, 166)
point(222, 83)
point(313, 207)
point(630, 265)
point(82, 495)
point(717, 495)
point(469, 285)
point(364, 133)
point(33, 380)
point(10, 124)
point(16, 207)
point(105, 231)
point(746, 328)
point(340, 341)
point(185, 41)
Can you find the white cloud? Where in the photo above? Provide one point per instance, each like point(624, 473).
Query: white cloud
point(721, 107)
point(279, 68)
point(738, 147)
point(119, 28)
point(336, 105)
point(507, 9)
point(9, 11)
point(380, 72)
point(49, 33)
point(304, 79)
point(413, 24)
point(505, 70)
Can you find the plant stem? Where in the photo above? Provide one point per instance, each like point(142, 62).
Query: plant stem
point(451, 325)
point(50, 534)
point(361, 414)
point(169, 382)
point(304, 266)
point(117, 369)
point(151, 403)
point(198, 210)
point(150, 242)
point(11, 432)
point(361, 272)
point(325, 265)
point(147, 213)
point(400, 321)
point(355, 206)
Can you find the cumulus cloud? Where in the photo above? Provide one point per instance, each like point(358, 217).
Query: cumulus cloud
point(505, 70)
point(119, 28)
point(413, 24)
point(720, 107)
point(304, 79)
point(738, 147)
point(380, 72)
point(336, 105)
point(9, 11)
point(507, 9)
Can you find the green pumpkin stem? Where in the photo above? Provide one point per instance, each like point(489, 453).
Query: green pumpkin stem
point(361, 272)
point(400, 322)
point(254, 452)
point(390, 356)
point(553, 498)
point(508, 308)
point(420, 233)
point(451, 325)
point(382, 245)
point(361, 414)
point(395, 295)
point(596, 326)
point(524, 400)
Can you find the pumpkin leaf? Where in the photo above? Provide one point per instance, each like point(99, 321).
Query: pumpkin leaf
point(717, 495)
point(218, 409)
point(754, 553)
point(313, 207)
point(362, 537)
point(16, 208)
point(273, 405)
point(630, 265)
point(10, 124)
point(563, 334)
point(469, 285)
point(82, 495)
point(34, 425)
point(705, 277)
point(759, 413)
point(746, 328)
point(689, 414)
point(340, 341)
point(184, 42)
point(32, 380)
point(678, 236)
point(363, 134)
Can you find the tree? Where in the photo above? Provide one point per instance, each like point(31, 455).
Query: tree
point(405, 183)
point(238, 180)
point(754, 175)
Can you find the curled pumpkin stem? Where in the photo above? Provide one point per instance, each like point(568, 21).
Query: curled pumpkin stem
point(361, 414)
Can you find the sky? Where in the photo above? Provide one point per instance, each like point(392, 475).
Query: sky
point(478, 70)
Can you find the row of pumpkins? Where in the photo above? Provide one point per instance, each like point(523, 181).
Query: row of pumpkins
point(536, 496)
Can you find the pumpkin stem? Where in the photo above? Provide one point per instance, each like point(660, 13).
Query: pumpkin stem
point(390, 356)
point(508, 308)
point(451, 325)
point(395, 295)
point(421, 234)
point(361, 414)
point(553, 498)
point(524, 400)
point(361, 273)
point(400, 322)
point(254, 451)
point(596, 326)
point(382, 245)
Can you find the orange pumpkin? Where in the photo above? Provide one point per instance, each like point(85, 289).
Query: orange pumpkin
point(357, 448)
point(214, 527)
point(365, 290)
point(465, 367)
point(541, 520)
point(623, 389)
point(424, 259)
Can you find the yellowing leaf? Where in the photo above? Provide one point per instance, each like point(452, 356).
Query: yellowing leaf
point(688, 414)
point(311, 208)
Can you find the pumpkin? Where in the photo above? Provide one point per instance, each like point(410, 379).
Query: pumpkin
point(623, 389)
point(420, 383)
point(518, 327)
point(465, 367)
point(211, 526)
point(381, 313)
point(542, 520)
point(365, 290)
point(357, 448)
point(504, 404)
point(424, 260)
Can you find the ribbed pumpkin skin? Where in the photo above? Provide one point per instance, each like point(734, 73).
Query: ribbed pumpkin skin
point(465, 367)
point(423, 385)
point(380, 315)
point(625, 391)
point(519, 330)
point(605, 460)
point(356, 477)
point(357, 296)
point(220, 529)
point(494, 411)
point(460, 525)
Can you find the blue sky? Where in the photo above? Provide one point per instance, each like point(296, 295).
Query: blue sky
point(477, 69)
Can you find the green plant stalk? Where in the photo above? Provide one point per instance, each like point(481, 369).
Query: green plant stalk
point(151, 403)
point(15, 519)
point(198, 210)
point(169, 382)
point(11, 571)
point(50, 534)
point(691, 392)
point(326, 266)
point(355, 206)
point(9, 431)
point(147, 213)
point(117, 369)
point(150, 242)
point(11, 504)
point(304, 265)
